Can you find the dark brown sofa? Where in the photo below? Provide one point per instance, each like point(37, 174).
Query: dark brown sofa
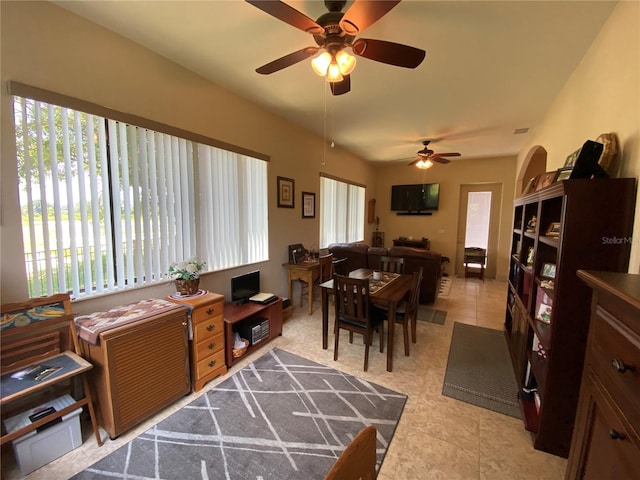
point(360, 255)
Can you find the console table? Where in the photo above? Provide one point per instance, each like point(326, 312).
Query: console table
point(235, 315)
point(308, 272)
point(405, 242)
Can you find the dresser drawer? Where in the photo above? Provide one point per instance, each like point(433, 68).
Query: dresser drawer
point(207, 312)
point(210, 364)
point(615, 357)
point(208, 328)
point(209, 346)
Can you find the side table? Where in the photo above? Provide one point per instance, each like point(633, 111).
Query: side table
point(206, 335)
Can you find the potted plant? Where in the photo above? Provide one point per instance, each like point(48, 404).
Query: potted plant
point(187, 275)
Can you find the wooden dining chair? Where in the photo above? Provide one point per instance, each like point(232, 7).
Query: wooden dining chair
point(392, 264)
point(341, 266)
point(406, 311)
point(358, 460)
point(353, 313)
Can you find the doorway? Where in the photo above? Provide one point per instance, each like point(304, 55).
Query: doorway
point(478, 222)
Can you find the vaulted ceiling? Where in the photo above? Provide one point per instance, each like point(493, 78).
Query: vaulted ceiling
point(491, 67)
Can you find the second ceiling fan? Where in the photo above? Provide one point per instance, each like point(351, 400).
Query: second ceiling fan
point(333, 32)
point(426, 157)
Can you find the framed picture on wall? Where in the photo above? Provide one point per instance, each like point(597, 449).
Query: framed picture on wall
point(286, 197)
point(308, 205)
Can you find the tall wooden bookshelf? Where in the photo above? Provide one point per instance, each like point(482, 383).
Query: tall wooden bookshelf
point(547, 325)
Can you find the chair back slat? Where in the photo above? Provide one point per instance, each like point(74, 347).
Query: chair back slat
point(392, 264)
point(341, 266)
point(352, 299)
point(326, 267)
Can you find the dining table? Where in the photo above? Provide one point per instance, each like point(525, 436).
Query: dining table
point(387, 292)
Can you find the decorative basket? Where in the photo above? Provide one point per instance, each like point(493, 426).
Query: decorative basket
point(187, 287)
point(238, 352)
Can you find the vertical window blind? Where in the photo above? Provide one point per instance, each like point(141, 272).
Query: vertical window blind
point(341, 212)
point(108, 206)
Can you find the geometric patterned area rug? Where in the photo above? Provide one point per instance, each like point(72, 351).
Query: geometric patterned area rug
point(281, 417)
point(428, 314)
point(479, 370)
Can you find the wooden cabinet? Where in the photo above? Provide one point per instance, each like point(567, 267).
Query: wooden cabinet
point(405, 242)
point(585, 223)
point(606, 439)
point(139, 369)
point(206, 335)
point(237, 316)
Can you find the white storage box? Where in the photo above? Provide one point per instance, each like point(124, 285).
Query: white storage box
point(36, 449)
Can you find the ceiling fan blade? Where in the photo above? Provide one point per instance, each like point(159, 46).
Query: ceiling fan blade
point(435, 158)
point(456, 154)
point(342, 87)
point(287, 60)
point(388, 52)
point(288, 14)
point(364, 13)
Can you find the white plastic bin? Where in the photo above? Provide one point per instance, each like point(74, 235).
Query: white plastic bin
point(36, 449)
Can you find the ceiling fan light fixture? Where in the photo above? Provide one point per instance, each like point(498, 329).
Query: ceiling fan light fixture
point(423, 164)
point(320, 64)
point(346, 62)
point(333, 73)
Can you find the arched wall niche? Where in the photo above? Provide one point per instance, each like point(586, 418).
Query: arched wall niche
point(535, 163)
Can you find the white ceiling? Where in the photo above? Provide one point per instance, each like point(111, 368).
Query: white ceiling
point(491, 67)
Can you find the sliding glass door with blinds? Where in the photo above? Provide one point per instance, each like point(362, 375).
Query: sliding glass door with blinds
point(108, 206)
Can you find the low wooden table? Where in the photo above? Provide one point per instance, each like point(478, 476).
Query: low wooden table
point(389, 296)
point(308, 272)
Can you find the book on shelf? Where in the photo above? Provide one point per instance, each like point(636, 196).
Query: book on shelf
point(35, 372)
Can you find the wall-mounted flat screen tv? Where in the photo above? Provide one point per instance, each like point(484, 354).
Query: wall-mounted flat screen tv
point(415, 198)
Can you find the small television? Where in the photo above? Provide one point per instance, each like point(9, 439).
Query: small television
point(415, 198)
point(245, 286)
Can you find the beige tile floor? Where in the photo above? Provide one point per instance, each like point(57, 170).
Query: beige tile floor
point(437, 437)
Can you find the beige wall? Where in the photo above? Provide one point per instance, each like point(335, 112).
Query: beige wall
point(441, 227)
point(602, 95)
point(50, 48)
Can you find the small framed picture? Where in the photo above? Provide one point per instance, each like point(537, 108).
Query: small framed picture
point(571, 159)
point(308, 205)
point(563, 174)
point(548, 270)
point(286, 197)
point(530, 256)
point(553, 230)
point(544, 313)
point(545, 179)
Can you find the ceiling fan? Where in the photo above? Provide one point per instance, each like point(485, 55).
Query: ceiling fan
point(426, 157)
point(334, 31)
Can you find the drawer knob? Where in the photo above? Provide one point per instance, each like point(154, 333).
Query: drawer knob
point(209, 311)
point(210, 328)
point(212, 346)
point(616, 435)
point(622, 367)
point(212, 363)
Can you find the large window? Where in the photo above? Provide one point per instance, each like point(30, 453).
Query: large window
point(107, 205)
point(341, 212)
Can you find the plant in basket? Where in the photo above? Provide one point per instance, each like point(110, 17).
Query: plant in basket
point(187, 275)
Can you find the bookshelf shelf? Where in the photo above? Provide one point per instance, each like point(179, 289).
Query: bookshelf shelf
point(581, 210)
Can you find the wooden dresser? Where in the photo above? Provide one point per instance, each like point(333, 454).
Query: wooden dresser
point(141, 364)
point(206, 335)
point(606, 438)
